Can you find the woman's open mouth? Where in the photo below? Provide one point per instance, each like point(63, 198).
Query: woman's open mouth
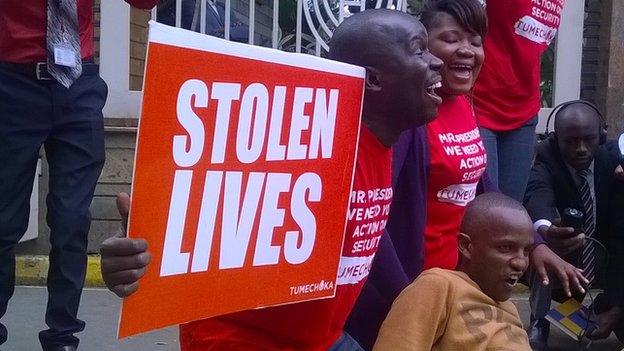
point(461, 71)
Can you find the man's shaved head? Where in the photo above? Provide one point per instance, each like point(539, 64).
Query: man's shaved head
point(401, 73)
point(495, 240)
point(359, 40)
point(485, 209)
point(576, 112)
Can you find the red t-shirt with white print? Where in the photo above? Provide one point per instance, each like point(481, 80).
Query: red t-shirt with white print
point(458, 160)
point(507, 92)
point(314, 325)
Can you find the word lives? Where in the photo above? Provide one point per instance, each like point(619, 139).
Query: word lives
point(244, 205)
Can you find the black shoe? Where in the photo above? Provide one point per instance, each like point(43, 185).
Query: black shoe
point(538, 334)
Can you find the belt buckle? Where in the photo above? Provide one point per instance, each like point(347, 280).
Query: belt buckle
point(38, 71)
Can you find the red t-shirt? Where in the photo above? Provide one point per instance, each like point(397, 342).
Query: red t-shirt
point(507, 93)
point(458, 160)
point(23, 28)
point(314, 325)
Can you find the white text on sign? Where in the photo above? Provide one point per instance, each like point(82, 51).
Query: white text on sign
point(247, 196)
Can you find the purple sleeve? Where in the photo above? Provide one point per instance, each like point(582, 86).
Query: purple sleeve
point(408, 213)
point(486, 184)
point(537, 239)
point(400, 256)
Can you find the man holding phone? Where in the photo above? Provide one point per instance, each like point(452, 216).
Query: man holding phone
point(578, 208)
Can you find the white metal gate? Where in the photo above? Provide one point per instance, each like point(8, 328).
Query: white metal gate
point(321, 17)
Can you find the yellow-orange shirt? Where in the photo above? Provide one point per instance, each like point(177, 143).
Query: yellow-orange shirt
point(447, 311)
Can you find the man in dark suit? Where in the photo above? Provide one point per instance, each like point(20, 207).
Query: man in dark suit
point(573, 171)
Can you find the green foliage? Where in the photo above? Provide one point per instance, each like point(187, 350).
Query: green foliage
point(547, 81)
point(287, 15)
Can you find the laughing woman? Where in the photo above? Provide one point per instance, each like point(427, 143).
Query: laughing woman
point(458, 158)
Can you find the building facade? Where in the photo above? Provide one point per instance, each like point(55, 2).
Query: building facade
point(588, 62)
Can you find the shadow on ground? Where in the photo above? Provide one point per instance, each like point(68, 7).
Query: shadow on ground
point(100, 310)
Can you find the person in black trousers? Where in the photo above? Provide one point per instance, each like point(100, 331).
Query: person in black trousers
point(577, 206)
point(50, 95)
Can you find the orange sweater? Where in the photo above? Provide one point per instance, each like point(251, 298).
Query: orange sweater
point(447, 311)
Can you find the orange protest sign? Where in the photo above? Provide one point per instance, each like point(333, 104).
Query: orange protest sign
point(244, 163)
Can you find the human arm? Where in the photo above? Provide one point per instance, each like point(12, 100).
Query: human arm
point(143, 4)
point(387, 273)
point(385, 282)
point(543, 260)
point(486, 184)
point(124, 260)
point(418, 316)
point(540, 202)
point(563, 240)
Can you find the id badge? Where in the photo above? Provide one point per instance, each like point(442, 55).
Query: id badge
point(64, 55)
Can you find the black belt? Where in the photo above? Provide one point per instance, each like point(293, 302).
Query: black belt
point(39, 70)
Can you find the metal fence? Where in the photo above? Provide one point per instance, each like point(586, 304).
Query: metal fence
point(314, 21)
point(307, 29)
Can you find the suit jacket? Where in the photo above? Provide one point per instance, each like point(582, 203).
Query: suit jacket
point(551, 189)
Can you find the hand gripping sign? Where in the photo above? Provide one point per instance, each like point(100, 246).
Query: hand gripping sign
point(244, 162)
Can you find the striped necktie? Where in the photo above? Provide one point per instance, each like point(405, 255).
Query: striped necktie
point(588, 258)
point(63, 42)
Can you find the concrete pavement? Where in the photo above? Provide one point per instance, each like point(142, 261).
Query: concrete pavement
point(100, 310)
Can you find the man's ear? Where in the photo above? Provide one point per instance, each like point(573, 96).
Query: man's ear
point(464, 243)
point(372, 79)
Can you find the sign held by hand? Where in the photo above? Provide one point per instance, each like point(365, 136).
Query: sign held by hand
point(244, 163)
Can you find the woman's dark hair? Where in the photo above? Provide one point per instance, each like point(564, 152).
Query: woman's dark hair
point(469, 14)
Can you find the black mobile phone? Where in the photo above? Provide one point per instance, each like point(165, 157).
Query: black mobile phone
point(571, 217)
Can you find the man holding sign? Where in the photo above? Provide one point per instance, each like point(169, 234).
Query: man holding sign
point(401, 76)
